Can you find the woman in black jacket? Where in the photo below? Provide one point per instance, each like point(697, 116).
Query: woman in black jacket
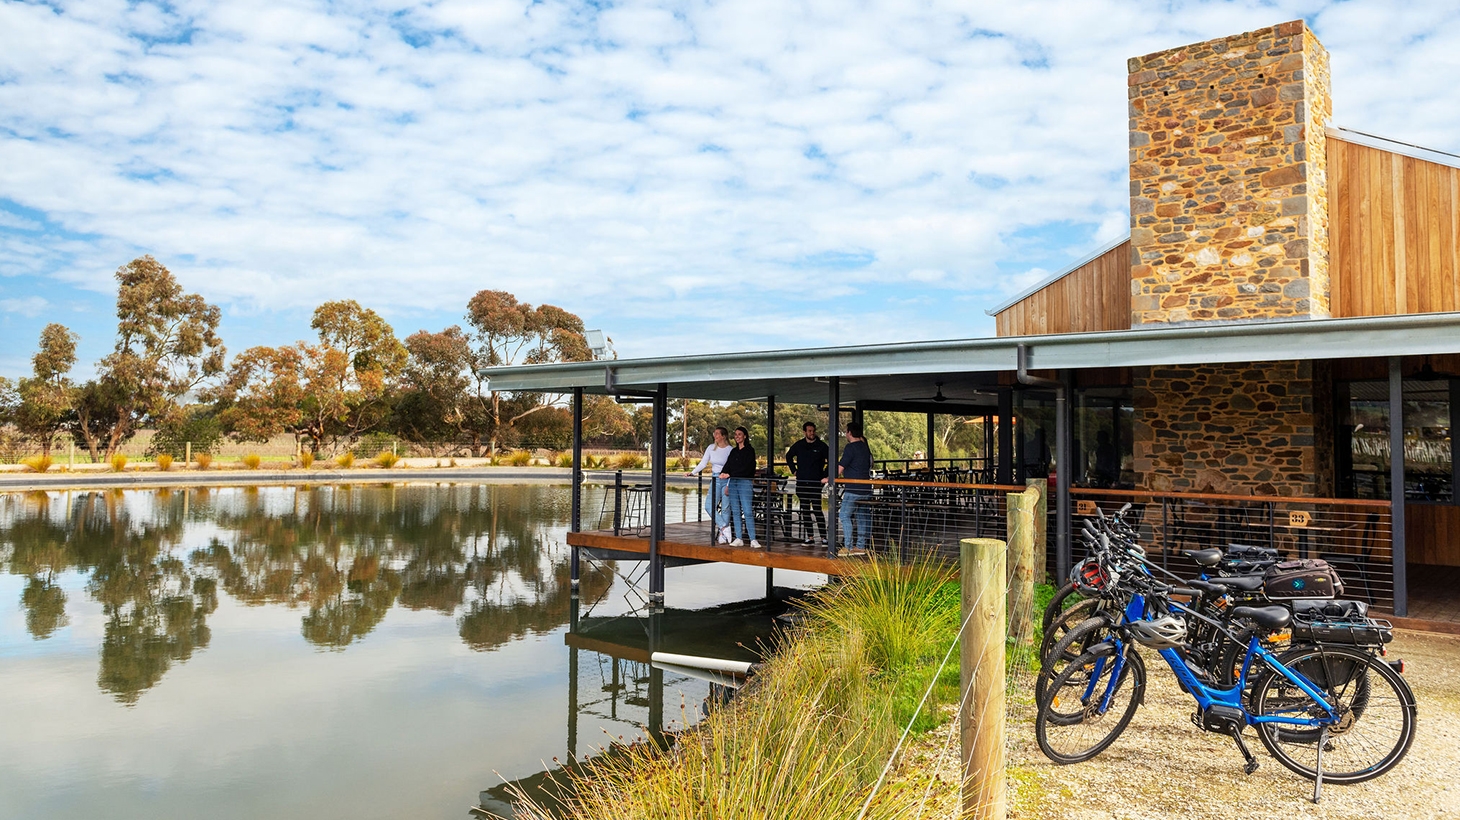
point(740, 489)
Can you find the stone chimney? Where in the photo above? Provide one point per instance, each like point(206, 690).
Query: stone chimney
point(1228, 177)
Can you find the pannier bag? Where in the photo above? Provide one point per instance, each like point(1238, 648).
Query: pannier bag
point(1241, 559)
point(1339, 622)
point(1306, 578)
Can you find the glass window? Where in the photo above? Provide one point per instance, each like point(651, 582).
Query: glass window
point(1363, 440)
point(1427, 467)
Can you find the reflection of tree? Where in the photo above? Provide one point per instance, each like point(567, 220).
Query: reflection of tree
point(45, 607)
point(487, 624)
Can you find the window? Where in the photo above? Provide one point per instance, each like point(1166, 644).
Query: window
point(1362, 447)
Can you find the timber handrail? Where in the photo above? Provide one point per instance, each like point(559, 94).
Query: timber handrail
point(882, 482)
point(1264, 499)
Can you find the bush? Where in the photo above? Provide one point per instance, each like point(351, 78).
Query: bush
point(519, 458)
point(199, 427)
point(628, 461)
point(119, 463)
point(205, 460)
point(387, 459)
point(252, 461)
point(37, 464)
point(164, 462)
point(306, 459)
point(373, 444)
point(345, 460)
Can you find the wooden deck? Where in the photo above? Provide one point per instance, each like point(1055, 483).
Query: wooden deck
point(689, 542)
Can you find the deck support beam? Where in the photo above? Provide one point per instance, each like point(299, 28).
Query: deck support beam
point(1396, 485)
point(833, 443)
point(932, 436)
point(658, 450)
point(575, 522)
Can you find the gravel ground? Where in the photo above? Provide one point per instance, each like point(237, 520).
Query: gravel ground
point(1165, 767)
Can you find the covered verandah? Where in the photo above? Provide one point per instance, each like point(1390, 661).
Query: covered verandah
point(988, 378)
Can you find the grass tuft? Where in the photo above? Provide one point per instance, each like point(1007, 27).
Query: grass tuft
point(164, 462)
point(387, 459)
point(306, 459)
point(37, 464)
point(204, 460)
point(252, 461)
point(519, 458)
point(628, 461)
point(345, 460)
point(562, 460)
point(119, 463)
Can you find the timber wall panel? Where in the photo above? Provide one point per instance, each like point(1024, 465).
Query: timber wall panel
point(1395, 232)
point(1432, 534)
point(1092, 297)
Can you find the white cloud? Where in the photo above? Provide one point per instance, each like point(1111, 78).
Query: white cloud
point(632, 164)
point(25, 306)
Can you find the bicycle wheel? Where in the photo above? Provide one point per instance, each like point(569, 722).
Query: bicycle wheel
point(1375, 706)
point(1065, 621)
point(1064, 598)
point(1087, 681)
point(1076, 642)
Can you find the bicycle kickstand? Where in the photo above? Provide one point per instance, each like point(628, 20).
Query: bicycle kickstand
point(1318, 764)
point(1251, 765)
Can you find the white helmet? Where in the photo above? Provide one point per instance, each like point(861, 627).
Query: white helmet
point(1166, 632)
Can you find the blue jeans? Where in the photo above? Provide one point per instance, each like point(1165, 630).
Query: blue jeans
point(741, 492)
point(715, 506)
point(855, 504)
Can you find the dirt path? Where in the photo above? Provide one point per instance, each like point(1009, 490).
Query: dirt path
point(1165, 767)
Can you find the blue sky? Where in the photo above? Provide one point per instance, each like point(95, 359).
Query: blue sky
point(690, 177)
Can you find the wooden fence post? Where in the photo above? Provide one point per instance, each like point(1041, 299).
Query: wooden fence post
point(1041, 527)
point(982, 665)
point(1023, 513)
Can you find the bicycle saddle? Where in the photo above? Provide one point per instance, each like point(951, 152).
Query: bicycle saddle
point(1241, 583)
point(1206, 558)
point(1267, 617)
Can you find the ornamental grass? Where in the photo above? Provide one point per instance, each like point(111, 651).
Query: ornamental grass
point(387, 459)
point(119, 463)
point(519, 458)
point(345, 460)
point(252, 461)
point(811, 734)
point(164, 462)
point(37, 464)
point(306, 459)
point(203, 460)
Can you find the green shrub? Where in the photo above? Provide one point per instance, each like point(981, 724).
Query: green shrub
point(198, 426)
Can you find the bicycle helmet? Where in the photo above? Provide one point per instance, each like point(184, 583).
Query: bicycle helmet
point(1090, 578)
point(1166, 632)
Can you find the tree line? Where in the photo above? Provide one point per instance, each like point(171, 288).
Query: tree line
point(168, 371)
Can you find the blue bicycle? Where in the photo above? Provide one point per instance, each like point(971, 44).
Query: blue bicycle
point(1329, 713)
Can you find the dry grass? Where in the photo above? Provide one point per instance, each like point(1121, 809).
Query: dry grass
point(119, 463)
point(519, 458)
point(37, 464)
point(386, 459)
point(628, 461)
point(252, 461)
point(345, 460)
point(204, 460)
point(164, 462)
point(562, 460)
point(306, 459)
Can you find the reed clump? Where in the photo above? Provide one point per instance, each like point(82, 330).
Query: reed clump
point(345, 460)
point(164, 462)
point(562, 460)
point(37, 464)
point(811, 734)
point(252, 461)
point(306, 459)
point(204, 460)
point(387, 459)
point(519, 458)
point(119, 463)
point(628, 461)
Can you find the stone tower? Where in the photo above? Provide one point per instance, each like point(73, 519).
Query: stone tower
point(1229, 192)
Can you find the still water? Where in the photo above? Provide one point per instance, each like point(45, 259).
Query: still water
point(392, 651)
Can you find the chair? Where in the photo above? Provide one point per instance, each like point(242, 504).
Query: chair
point(636, 515)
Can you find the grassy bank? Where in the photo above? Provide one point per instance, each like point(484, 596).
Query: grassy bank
point(811, 736)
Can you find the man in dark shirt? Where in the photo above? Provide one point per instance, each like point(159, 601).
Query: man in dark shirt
point(807, 460)
point(855, 463)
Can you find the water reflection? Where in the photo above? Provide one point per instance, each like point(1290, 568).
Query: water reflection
point(155, 561)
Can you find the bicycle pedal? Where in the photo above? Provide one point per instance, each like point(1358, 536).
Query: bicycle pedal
point(1249, 767)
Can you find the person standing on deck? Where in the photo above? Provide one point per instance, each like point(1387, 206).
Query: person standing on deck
point(740, 488)
point(855, 463)
point(714, 458)
point(807, 460)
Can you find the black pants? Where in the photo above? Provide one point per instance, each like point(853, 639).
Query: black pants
point(809, 504)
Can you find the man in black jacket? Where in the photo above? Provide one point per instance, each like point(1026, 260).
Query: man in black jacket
point(807, 460)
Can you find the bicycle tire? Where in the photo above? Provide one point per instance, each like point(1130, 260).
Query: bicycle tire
point(1076, 642)
point(1095, 732)
point(1376, 705)
point(1057, 604)
point(1065, 621)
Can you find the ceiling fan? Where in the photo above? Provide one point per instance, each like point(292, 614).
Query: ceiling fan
point(939, 397)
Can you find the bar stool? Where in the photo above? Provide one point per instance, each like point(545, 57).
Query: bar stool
point(636, 515)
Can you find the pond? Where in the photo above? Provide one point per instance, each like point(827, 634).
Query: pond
point(329, 651)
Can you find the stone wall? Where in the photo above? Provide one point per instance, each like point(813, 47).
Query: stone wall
point(1228, 170)
point(1229, 428)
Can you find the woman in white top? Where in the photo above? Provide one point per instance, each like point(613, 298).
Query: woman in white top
point(714, 459)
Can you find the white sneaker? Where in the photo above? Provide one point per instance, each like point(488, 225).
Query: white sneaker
point(755, 545)
point(737, 543)
point(724, 535)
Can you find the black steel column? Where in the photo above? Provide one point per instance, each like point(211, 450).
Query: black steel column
point(1066, 459)
point(858, 413)
point(932, 435)
point(770, 434)
point(573, 680)
point(658, 451)
point(575, 524)
point(1396, 485)
point(656, 681)
point(1006, 438)
point(833, 443)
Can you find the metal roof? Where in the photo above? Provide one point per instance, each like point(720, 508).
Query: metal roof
point(968, 368)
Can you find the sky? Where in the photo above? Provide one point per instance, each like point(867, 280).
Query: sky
point(690, 177)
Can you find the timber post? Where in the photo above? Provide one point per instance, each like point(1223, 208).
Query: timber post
point(982, 663)
point(1023, 509)
point(1041, 528)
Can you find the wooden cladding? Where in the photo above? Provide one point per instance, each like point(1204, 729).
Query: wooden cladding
point(1394, 222)
point(1432, 534)
point(1092, 297)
